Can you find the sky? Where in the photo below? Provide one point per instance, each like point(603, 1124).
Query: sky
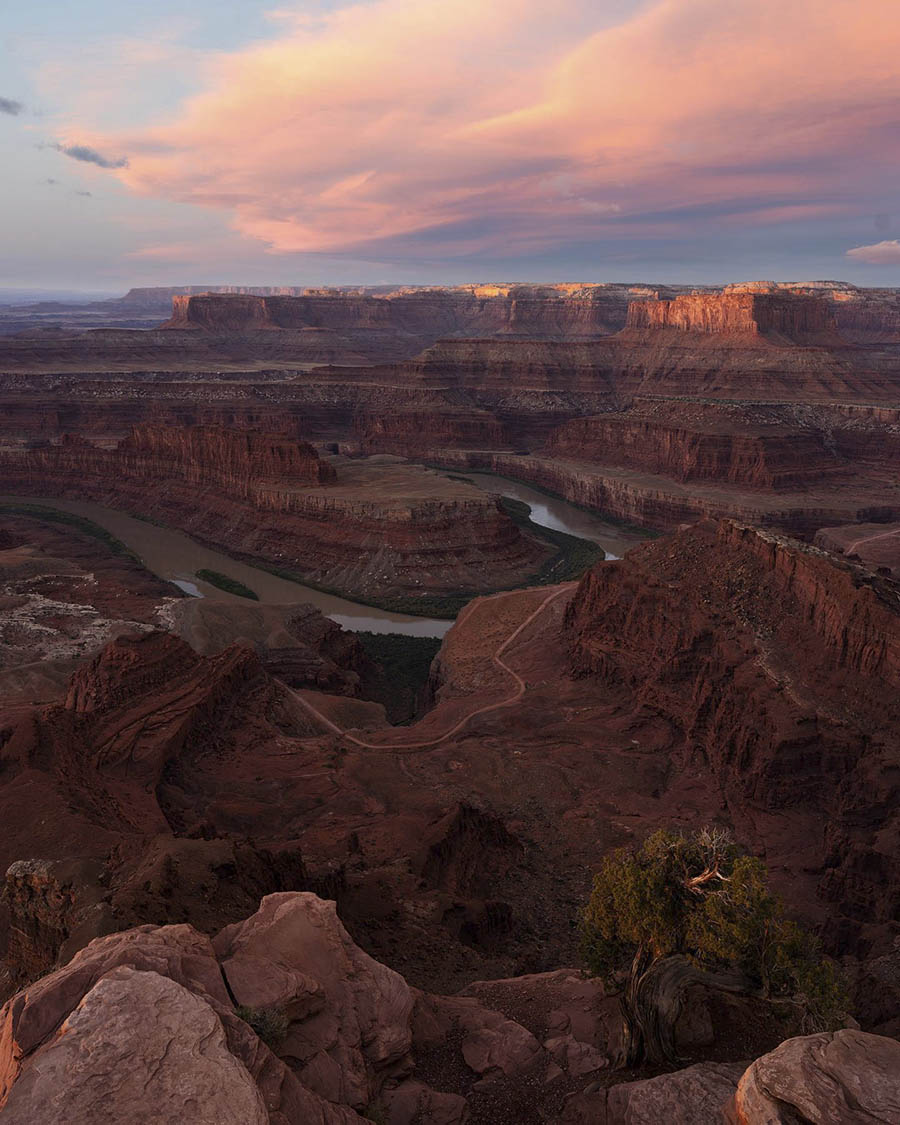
point(420, 141)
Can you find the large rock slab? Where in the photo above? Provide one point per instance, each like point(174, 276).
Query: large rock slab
point(139, 1048)
point(145, 1008)
point(845, 1076)
point(696, 1095)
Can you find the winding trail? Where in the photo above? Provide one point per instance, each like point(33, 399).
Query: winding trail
point(497, 659)
point(869, 538)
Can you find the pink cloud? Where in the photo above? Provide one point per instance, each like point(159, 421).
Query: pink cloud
point(487, 126)
point(878, 254)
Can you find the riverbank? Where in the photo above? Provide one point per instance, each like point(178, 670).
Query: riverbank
point(177, 558)
point(184, 561)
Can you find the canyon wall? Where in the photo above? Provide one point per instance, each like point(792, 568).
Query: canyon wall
point(746, 402)
point(237, 461)
point(770, 458)
point(267, 470)
point(376, 530)
point(780, 665)
point(540, 311)
point(801, 319)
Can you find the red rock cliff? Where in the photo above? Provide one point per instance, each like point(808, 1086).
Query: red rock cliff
point(799, 319)
point(717, 449)
point(266, 469)
point(780, 665)
point(233, 459)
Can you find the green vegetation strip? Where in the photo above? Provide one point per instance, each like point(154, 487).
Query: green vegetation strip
point(434, 605)
point(573, 555)
point(229, 585)
point(79, 523)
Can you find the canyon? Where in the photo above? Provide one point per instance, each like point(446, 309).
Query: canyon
point(216, 807)
point(373, 528)
point(775, 404)
point(726, 675)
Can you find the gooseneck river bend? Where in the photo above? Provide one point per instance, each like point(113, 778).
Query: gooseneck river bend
point(176, 557)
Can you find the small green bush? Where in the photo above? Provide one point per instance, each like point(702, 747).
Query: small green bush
point(700, 897)
point(229, 585)
point(270, 1024)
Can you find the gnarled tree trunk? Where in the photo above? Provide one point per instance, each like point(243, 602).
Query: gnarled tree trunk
point(654, 998)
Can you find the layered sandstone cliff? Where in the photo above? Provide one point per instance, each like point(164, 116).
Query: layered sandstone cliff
point(379, 530)
point(237, 461)
point(780, 317)
point(549, 311)
point(779, 665)
point(268, 470)
point(769, 457)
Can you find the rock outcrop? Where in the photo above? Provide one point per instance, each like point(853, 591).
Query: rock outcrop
point(780, 317)
point(281, 1018)
point(64, 594)
point(99, 786)
point(774, 458)
point(696, 1095)
point(262, 469)
point(844, 1076)
point(170, 1014)
point(779, 665)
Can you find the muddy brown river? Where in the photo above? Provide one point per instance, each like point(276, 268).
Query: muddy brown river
point(176, 557)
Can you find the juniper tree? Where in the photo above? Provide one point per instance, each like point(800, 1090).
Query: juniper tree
point(699, 901)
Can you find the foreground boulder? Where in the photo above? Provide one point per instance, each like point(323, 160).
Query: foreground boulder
point(696, 1095)
point(282, 1019)
point(846, 1076)
point(159, 1024)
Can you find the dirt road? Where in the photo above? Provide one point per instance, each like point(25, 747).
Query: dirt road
point(497, 658)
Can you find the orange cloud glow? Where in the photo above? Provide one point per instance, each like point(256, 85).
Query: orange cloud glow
point(478, 126)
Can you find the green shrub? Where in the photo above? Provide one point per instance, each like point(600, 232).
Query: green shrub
point(699, 897)
point(229, 585)
point(270, 1024)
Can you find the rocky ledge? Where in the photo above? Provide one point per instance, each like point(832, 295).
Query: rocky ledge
point(282, 1019)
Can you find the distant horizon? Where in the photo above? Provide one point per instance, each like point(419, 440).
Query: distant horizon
point(35, 294)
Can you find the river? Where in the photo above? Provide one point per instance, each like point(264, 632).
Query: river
point(176, 557)
point(553, 511)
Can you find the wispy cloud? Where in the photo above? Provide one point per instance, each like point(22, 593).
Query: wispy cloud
point(878, 254)
point(167, 252)
point(88, 155)
point(404, 128)
point(10, 106)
